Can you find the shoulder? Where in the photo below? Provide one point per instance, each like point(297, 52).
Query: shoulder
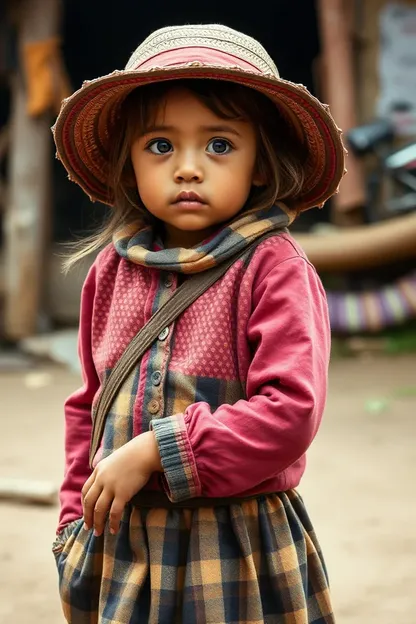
point(107, 259)
point(105, 264)
point(277, 251)
point(281, 281)
point(108, 264)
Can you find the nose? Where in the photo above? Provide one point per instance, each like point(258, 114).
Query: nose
point(188, 169)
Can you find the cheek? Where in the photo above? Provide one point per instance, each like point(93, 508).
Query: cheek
point(149, 189)
point(246, 161)
point(243, 173)
point(142, 165)
point(146, 178)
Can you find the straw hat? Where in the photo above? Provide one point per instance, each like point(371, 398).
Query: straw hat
point(83, 128)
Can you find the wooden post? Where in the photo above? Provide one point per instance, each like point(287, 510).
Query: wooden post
point(27, 217)
point(339, 92)
point(368, 34)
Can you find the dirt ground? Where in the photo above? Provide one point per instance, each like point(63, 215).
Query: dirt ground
point(359, 488)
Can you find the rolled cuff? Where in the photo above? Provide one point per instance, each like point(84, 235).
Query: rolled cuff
point(180, 478)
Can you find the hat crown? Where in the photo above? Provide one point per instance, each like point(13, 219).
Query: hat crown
point(213, 36)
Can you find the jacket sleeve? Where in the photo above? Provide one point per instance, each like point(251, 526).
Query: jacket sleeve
point(78, 414)
point(239, 446)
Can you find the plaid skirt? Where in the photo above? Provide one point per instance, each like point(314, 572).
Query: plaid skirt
point(247, 563)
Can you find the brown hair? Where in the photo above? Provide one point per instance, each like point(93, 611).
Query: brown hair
point(280, 155)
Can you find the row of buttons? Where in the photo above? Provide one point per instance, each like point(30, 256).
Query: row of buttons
point(154, 405)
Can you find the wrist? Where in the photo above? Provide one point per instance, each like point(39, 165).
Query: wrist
point(149, 451)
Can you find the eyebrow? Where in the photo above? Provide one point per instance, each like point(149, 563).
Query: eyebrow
point(214, 129)
point(221, 128)
point(159, 128)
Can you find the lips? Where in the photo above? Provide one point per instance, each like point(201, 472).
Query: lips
point(189, 197)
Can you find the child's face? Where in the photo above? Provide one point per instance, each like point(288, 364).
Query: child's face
point(191, 150)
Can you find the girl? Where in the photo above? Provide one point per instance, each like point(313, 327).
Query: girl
point(188, 512)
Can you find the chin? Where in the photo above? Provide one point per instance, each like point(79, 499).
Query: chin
point(193, 227)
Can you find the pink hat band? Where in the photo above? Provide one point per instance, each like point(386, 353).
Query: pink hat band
point(194, 55)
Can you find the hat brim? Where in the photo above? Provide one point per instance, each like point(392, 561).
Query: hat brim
point(83, 128)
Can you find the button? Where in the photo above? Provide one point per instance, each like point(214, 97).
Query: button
point(154, 406)
point(169, 280)
point(156, 378)
point(164, 334)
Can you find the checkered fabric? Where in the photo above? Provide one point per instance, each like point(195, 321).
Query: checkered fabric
point(135, 242)
point(258, 562)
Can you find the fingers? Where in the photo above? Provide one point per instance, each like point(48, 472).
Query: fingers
point(101, 510)
point(97, 504)
point(116, 512)
point(89, 501)
point(104, 493)
point(88, 483)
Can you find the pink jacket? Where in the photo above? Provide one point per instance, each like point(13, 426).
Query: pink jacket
point(234, 390)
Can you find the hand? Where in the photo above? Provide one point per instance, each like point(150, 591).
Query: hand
point(116, 479)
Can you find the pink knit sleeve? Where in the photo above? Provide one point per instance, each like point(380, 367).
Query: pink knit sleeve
point(78, 414)
point(240, 446)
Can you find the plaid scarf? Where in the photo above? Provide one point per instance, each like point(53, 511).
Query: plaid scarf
point(137, 243)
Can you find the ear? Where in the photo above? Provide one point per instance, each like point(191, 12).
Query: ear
point(258, 180)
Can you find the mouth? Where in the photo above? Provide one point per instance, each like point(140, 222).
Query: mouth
point(189, 200)
point(189, 197)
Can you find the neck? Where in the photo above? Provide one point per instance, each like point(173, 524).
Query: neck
point(174, 238)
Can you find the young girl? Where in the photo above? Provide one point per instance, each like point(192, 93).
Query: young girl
point(189, 513)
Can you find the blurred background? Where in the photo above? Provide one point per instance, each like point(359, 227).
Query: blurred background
point(359, 56)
